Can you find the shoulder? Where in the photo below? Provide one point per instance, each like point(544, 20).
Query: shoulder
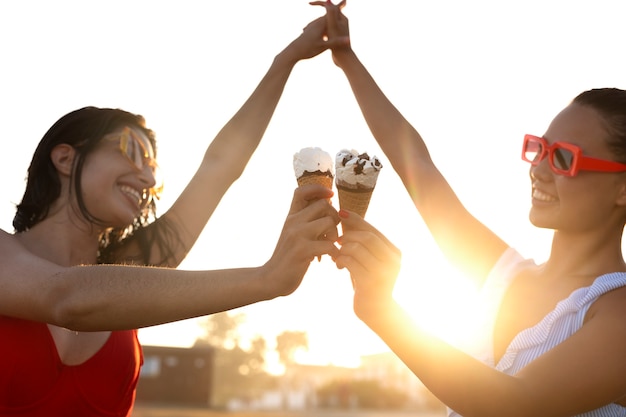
point(611, 303)
point(9, 244)
point(16, 258)
point(12, 249)
point(614, 298)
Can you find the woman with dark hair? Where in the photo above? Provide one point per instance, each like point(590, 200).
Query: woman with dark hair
point(554, 344)
point(83, 130)
point(68, 344)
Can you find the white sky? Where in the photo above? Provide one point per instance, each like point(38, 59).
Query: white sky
point(472, 77)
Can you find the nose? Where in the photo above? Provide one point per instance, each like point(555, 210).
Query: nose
point(148, 176)
point(542, 171)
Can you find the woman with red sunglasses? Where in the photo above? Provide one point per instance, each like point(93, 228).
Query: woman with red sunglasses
point(68, 344)
point(556, 344)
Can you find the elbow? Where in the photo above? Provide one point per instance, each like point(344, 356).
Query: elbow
point(66, 314)
point(65, 303)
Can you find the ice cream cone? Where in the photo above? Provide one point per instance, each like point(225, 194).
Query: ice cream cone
point(314, 166)
point(356, 176)
point(355, 200)
point(322, 179)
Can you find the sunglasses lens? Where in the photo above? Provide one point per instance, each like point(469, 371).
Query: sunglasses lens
point(533, 150)
point(133, 152)
point(562, 159)
point(139, 152)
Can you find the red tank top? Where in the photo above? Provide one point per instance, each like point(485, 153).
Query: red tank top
point(34, 382)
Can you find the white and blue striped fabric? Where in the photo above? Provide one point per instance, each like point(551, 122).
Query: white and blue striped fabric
point(557, 326)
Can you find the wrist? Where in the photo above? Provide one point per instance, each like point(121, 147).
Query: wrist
point(343, 56)
point(372, 309)
point(286, 58)
point(264, 284)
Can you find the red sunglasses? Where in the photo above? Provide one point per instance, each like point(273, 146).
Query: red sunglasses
point(565, 158)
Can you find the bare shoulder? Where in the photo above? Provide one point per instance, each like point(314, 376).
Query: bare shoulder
point(9, 245)
point(14, 257)
point(12, 250)
point(19, 263)
point(24, 279)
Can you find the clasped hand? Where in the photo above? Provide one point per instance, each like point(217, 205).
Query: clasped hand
point(326, 32)
point(373, 262)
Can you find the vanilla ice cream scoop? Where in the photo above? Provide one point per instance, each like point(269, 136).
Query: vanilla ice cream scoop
point(313, 165)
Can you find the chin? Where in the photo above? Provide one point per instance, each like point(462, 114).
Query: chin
point(540, 222)
point(123, 222)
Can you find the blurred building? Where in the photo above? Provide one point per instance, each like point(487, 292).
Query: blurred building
point(391, 372)
point(183, 376)
point(180, 376)
point(381, 381)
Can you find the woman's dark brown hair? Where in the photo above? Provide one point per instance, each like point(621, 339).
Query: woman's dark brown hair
point(83, 129)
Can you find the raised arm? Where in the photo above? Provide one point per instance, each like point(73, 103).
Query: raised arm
point(466, 242)
point(230, 151)
point(106, 297)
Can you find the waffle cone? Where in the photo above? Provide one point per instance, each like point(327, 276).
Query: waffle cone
point(321, 179)
point(355, 200)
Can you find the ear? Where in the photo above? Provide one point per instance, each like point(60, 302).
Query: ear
point(63, 158)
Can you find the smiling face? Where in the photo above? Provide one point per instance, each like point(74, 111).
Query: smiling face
point(587, 200)
point(117, 177)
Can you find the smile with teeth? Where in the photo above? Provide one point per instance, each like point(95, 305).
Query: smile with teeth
point(541, 196)
point(132, 192)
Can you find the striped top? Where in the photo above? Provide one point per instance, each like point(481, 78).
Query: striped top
point(558, 325)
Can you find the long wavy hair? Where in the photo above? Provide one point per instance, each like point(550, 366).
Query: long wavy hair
point(83, 129)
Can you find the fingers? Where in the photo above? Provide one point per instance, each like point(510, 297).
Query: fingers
point(369, 250)
point(352, 222)
point(337, 23)
point(331, 10)
point(312, 210)
point(372, 260)
point(316, 224)
point(317, 24)
point(321, 247)
point(303, 196)
point(328, 4)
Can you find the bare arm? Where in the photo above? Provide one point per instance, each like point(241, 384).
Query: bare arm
point(232, 148)
point(583, 373)
point(101, 297)
point(465, 241)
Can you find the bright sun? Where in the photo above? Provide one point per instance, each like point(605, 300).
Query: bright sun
point(435, 297)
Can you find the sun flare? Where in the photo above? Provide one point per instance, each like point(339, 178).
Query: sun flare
point(441, 300)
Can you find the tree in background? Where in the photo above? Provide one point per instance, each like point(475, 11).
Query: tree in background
point(239, 370)
point(288, 343)
point(221, 329)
